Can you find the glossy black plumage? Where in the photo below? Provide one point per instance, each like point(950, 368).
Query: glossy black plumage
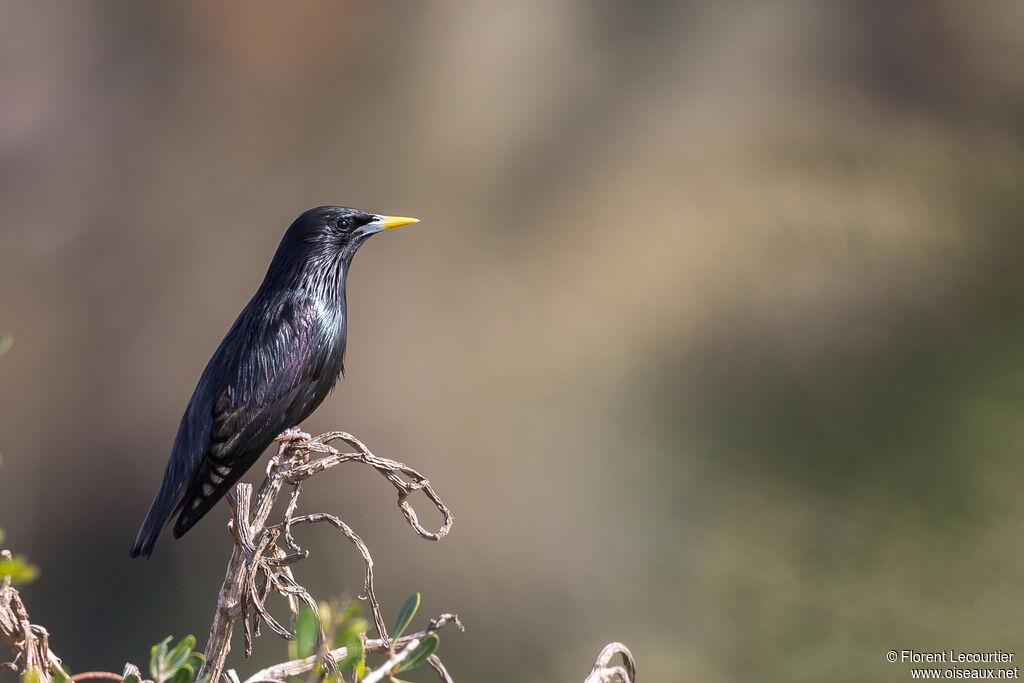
point(276, 364)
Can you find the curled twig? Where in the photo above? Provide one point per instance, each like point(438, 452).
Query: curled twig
point(264, 554)
point(604, 671)
point(391, 470)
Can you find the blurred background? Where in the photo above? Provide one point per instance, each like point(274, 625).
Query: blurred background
point(710, 336)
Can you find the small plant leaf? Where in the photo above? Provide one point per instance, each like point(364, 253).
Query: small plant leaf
point(131, 678)
point(426, 648)
point(184, 674)
point(156, 659)
point(354, 652)
point(177, 657)
point(305, 633)
point(405, 614)
point(5, 342)
point(31, 676)
point(196, 660)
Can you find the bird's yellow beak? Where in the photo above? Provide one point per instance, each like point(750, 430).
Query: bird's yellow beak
point(395, 221)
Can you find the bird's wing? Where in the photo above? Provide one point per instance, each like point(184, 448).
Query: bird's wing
point(273, 367)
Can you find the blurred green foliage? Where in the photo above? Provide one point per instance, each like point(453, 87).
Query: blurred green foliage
point(346, 628)
point(349, 633)
point(18, 569)
point(342, 628)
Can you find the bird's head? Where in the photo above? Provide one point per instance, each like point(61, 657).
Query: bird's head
point(326, 238)
point(339, 230)
point(333, 232)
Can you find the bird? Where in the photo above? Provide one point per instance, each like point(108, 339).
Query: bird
point(276, 364)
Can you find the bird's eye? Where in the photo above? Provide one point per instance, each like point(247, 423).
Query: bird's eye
point(346, 223)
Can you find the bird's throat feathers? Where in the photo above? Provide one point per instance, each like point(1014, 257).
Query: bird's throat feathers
point(317, 250)
point(318, 271)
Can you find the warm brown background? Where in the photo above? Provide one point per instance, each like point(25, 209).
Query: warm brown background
point(711, 333)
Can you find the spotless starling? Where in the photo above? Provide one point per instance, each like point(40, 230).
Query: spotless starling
point(277, 363)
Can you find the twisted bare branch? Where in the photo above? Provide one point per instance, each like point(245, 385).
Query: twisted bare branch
point(264, 553)
point(604, 671)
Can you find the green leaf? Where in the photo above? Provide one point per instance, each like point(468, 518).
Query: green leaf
point(177, 657)
point(305, 633)
point(131, 678)
point(405, 614)
point(19, 569)
point(196, 660)
point(1, 535)
point(5, 342)
point(184, 674)
point(354, 652)
point(31, 676)
point(60, 677)
point(156, 659)
point(426, 648)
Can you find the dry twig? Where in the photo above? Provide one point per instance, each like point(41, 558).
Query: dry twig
point(264, 554)
point(604, 671)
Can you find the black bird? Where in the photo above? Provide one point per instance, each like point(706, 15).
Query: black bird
point(276, 364)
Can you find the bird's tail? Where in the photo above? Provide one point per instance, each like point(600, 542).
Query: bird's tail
point(164, 507)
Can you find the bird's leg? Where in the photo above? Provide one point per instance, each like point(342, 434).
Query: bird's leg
point(288, 436)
